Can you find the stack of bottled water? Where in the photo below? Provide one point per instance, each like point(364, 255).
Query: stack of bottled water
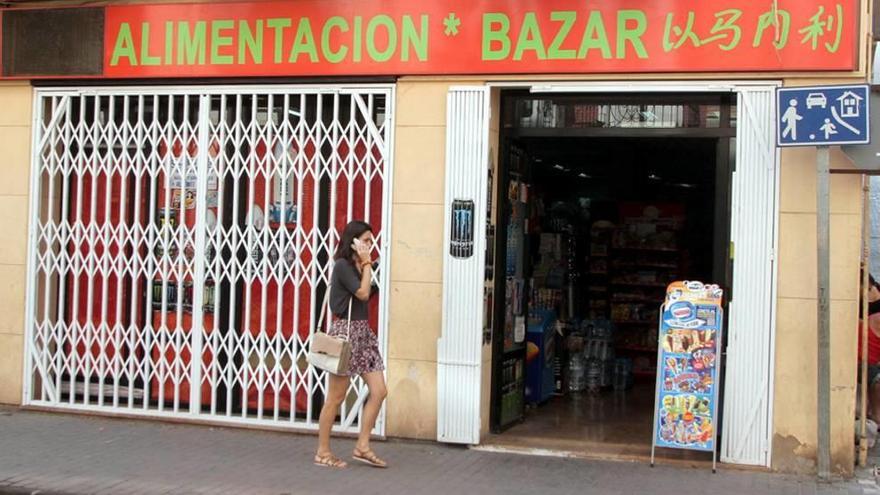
point(599, 354)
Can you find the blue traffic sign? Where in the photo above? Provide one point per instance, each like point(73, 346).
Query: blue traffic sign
point(822, 116)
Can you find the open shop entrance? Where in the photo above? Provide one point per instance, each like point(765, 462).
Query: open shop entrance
point(602, 202)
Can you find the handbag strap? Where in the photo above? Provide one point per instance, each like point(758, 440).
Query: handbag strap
point(326, 304)
point(348, 327)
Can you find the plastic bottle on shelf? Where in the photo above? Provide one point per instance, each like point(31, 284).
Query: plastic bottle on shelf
point(593, 379)
point(576, 372)
point(622, 374)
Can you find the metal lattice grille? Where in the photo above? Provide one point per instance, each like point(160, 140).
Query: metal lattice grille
point(186, 237)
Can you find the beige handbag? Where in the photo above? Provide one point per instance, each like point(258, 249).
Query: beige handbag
point(329, 353)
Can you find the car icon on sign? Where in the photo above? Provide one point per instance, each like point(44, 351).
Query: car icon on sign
point(816, 100)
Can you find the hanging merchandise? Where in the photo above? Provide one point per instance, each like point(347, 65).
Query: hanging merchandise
point(513, 191)
point(187, 296)
point(283, 208)
point(560, 358)
point(208, 297)
point(517, 297)
point(509, 290)
point(166, 217)
point(256, 218)
point(512, 390)
point(519, 329)
point(177, 180)
point(189, 201)
point(514, 245)
point(686, 399)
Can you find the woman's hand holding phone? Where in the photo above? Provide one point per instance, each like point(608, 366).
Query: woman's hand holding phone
point(363, 251)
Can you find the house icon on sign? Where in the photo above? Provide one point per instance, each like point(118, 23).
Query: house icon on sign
point(849, 104)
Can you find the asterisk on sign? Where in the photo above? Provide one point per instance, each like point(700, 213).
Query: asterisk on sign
point(451, 22)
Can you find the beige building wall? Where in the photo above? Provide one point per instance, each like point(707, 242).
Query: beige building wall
point(416, 258)
point(15, 143)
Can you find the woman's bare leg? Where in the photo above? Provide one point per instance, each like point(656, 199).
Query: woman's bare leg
point(335, 396)
point(376, 383)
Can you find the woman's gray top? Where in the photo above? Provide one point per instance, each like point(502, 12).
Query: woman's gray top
point(344, 282)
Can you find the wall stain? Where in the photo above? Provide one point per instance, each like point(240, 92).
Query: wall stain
point(790, 455)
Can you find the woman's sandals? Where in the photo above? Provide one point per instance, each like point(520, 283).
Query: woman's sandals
point(368, 457)
point(329, 460)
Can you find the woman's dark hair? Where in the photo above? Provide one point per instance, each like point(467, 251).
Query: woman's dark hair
point(351, 232)
point(873, 307)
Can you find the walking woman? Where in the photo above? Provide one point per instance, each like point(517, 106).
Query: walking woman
point(351, 282)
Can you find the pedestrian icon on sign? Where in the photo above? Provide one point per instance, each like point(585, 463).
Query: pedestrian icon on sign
point(790, 118)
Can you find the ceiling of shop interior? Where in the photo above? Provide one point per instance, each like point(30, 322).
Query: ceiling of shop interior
point(672, 160)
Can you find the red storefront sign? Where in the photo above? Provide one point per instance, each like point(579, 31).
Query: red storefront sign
point(400, 37)
point(346, 37)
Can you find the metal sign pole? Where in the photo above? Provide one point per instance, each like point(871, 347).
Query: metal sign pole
point(863, 365)
point(658, 383)
point(824, 320)
point(719, 337)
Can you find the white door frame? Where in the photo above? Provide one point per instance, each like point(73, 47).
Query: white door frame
point(708, 86)
point(459, 348)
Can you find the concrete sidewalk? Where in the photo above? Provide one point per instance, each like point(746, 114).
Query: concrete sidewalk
point(58, 453)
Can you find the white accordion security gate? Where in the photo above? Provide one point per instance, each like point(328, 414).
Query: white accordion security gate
point(181, 243)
